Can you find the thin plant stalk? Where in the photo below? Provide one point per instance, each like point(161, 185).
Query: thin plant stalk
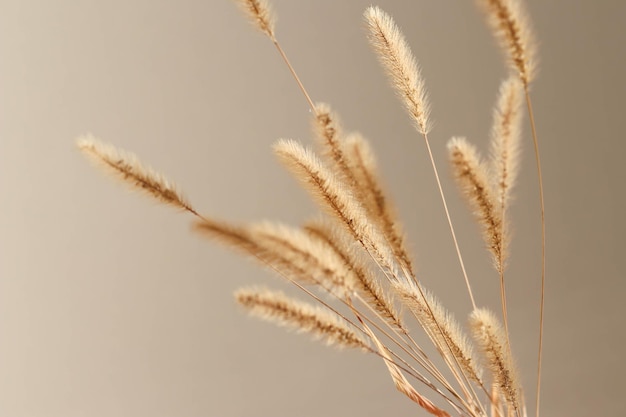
point(531, 117)
point(445, 206)
point(294, 74)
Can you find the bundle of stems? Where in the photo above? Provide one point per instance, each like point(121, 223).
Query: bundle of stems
point(356, 252)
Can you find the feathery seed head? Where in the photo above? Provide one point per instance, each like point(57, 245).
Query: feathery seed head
point(319, 322)
point(472, 178)
point(396, 57)
point(260, 14)
point(510, 25)
point(491, 339)
point(127, 167)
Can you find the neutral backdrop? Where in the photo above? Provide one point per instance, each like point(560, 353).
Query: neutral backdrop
point(111, 306)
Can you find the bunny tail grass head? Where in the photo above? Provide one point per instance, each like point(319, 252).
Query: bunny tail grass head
point(369, 189)
point(321, 323)
point(491, 340)
point(473, 179)
point(126, 167)
point(396, 57)
point(335, 198)
point(505, 138)
point(354, 258)
point(260, 14)
point(511, 27)
point(324, 266)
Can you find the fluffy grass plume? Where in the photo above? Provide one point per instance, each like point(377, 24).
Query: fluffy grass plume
point(491, 341)
point(324, 265)
point(126, 167)
point(260, 14)
point(472, 176)
point(366, 280)
point(396, 57)
point(369, 189)
point(328, 133)
point(511, 27)
point(289, 253)
point(321, 323)
point(334, 198)
point(354, 163)
point(505, 139)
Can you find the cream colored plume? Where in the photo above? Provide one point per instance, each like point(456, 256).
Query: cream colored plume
point(260, 14)
point(335, 198)
point(371, 194)
point(396, 57)
point(319, 322)
point(472, 176)
point(511, 27)
point(126, 167)
point(289, 252)
point(365, 280)
point(320, 263)
point(491, 339)
point(505, 138)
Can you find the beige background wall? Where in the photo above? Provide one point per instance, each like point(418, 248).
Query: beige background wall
point(109, 306)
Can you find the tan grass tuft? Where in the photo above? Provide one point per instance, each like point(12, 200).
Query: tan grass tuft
point(365, 279)
point(473, 180)
point(321, 263)
point(491, 340)
point(441, 327)
point(279, 250)
point(127, 167)
point(329, 134)
point(370, 192)
point(511, 27)
point(334, 198)
point(290, 252)
point(260, 14)
point(229, 235)
point(398, 60)
point(242, 240)
point(355, 165)
point(321, 323)
point(505, 138)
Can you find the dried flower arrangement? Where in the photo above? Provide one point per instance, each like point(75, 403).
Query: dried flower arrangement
point(356, 254)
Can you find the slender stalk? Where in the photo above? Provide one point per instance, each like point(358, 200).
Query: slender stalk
point(294, 74)
point(445, 206)
point(505, 317)
point(543, 244)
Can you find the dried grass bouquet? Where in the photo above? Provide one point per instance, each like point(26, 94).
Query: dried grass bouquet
point(352, 263)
